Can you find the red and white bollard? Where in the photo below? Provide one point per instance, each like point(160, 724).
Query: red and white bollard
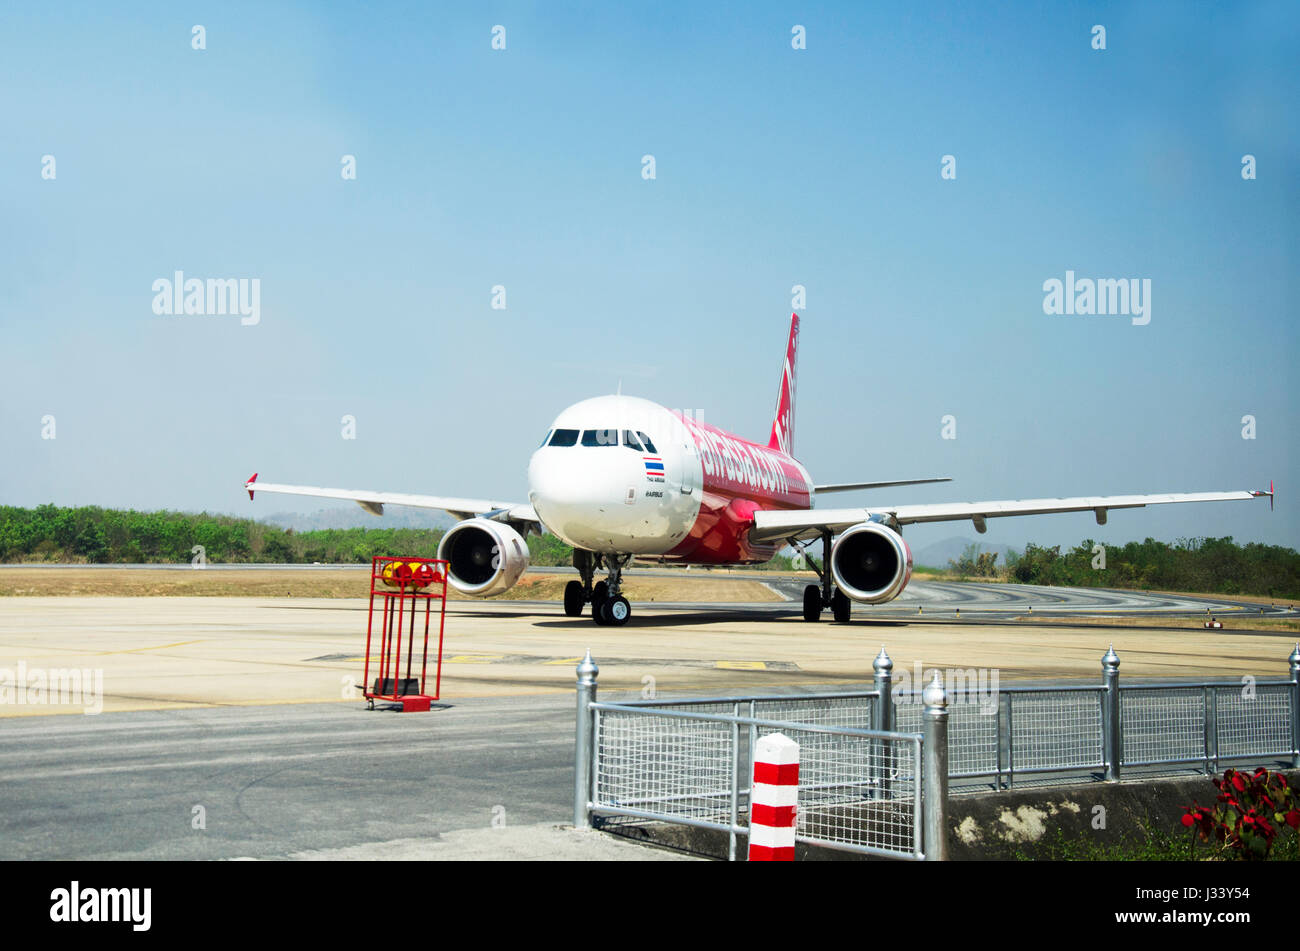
point(774, 799)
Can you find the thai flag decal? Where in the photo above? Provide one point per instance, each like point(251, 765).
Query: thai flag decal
point(654, 465)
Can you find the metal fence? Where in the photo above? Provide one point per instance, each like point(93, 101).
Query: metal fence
point(1032, 734)
point(866, 781)
point(858, 789)
point(691, 762)
point(1205, 724)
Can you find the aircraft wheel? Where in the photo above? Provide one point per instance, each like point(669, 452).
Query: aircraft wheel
point(840, 607)
point(616, 611)
point(574, 599)
point(599, 595)
point(812, 603)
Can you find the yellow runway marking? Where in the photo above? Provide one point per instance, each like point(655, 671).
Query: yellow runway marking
point(740, 665)
point(160, 647)
point(562, 660)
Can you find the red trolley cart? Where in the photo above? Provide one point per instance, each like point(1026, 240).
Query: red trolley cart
point(407, 590)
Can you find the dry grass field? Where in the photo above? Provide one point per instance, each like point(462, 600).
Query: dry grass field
point(17, 580)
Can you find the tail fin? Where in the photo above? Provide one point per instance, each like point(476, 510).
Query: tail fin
point(783, 423)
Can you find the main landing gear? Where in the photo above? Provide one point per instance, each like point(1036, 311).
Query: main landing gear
point(608, 606)
point(817, 598)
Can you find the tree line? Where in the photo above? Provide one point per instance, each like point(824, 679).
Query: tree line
point(93, 535)
point(1208, 565)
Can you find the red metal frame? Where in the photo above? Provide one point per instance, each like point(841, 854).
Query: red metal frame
point(403, 585)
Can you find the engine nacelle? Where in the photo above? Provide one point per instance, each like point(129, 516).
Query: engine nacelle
point(870, 562)
point(484, 557)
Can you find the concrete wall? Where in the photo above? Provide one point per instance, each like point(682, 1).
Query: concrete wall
point(1030, 823)
point(1007, 825)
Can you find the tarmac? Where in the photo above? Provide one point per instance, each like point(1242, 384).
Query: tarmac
point(232, 728)
point(180, 653)
point(477, 779)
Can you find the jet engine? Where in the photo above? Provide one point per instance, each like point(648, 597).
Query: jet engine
point(484, 557)
point(870, 562)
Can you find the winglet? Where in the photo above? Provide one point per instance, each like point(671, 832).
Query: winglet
point(1258, 493)
point(251, 480)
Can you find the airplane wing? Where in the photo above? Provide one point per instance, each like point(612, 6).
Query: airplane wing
point(374, 502)
point(772, 524)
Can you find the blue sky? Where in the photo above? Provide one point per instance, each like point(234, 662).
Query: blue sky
point(775, 167)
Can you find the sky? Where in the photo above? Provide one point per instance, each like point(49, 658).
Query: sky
point(774, 166)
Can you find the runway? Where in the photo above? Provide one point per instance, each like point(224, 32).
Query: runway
point(1004, 601)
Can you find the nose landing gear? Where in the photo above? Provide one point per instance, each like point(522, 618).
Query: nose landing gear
point(575, 598)
point(614, 611)
point(608, 606)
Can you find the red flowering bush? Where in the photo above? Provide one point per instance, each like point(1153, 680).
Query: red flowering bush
point(1249, 814)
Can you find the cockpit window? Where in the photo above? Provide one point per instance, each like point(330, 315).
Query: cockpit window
point(565, 437)
point(630, 440)
point(650, 447)
point(546, 438)
point(600, 437)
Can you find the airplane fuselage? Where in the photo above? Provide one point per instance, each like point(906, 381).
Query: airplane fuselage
point(619, 474)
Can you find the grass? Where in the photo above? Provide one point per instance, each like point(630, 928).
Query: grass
point(1156, 845)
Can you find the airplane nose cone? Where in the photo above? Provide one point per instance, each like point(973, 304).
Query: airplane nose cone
point(557, 477)
point(582, 495)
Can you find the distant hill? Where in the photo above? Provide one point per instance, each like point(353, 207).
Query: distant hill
point(938, 554)
point(395, 516)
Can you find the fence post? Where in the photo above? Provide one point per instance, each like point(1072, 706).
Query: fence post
point(1110, 726)
point(587, 671)
point(1210, 701)
point(935, 775)
point(884, 716)
point(1294, 660)
point(774, 799)
point(884, 668)
point(734, 813)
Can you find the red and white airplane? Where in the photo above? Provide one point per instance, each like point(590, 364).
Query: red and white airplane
point(619, 477)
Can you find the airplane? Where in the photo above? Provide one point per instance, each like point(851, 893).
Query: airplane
point(619, 477)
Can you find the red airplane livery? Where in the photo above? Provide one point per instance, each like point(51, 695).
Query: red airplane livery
point(618, 478)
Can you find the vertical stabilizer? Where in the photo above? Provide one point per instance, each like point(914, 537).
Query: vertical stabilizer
point(783, 423)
